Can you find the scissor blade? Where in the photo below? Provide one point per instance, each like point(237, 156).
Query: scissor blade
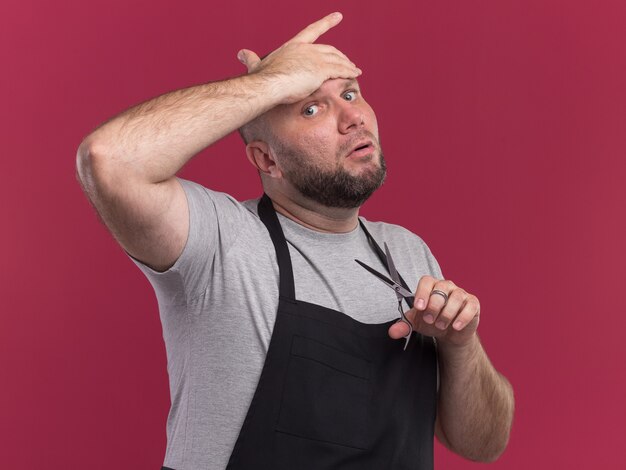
point(392, 269)
point(380, 276)
point(395, 286)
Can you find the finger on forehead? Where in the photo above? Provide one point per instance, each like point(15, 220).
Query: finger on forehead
point(315, 30)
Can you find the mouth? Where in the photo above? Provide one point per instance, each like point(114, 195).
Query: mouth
point(362, 149)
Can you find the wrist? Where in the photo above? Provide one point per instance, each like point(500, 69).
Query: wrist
point(269, 88)
point(459, 353)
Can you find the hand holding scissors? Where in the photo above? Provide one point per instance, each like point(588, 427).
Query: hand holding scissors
point(440, 308)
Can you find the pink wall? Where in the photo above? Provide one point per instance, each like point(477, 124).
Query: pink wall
point(503, 124)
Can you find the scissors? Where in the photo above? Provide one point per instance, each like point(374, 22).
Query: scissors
point(402, 293)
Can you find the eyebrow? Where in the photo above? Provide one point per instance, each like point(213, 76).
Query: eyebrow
point(348, 82)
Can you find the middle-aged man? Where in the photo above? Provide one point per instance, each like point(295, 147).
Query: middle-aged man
point(283, 352)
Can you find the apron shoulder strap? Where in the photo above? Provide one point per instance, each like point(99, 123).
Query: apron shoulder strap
point(270, 219)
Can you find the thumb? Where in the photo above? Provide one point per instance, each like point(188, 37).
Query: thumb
point(248, 58)
point(398, 330)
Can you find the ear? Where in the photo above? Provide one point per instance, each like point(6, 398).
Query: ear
point(260, 156)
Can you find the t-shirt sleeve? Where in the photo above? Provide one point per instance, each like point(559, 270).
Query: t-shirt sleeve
point(433, 265)
point(215, 220)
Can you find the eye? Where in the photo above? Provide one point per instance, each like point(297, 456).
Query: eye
point(311, 110)
point(349, 95)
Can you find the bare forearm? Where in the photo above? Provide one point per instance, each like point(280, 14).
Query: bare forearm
point(475, 402)
point(154, 140)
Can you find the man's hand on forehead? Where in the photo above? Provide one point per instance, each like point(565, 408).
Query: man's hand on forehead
point(299, 66)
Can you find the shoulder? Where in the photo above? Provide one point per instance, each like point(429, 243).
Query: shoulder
point(199, 192)
point(208, 201)
point(219, 224)
point(385, 231)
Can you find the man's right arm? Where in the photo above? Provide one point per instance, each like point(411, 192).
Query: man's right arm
point(127, 166)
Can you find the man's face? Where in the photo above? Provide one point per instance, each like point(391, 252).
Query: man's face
point(327, 145)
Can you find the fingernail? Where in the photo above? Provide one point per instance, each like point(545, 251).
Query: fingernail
point(241, 56)
point(441, 325)
point(420, 304)
point(336, 15)
point(428, 318)
point(458, 325)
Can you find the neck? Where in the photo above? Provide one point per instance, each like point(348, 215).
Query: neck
point(315, 216)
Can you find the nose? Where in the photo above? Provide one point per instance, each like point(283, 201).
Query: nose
point(351, 117)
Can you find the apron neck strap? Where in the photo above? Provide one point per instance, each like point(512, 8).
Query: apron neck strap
point(270, 219)
point(287, 290)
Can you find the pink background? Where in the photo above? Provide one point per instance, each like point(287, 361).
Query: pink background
point(503, 124)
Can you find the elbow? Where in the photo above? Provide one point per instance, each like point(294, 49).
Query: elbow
point(486, 451)
point(82, 161)
point(94, 171)
point(91, 165)
point(494, 453)
point(491, 452)
point(87, 152)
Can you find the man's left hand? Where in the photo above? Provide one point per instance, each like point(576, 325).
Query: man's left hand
point(453, 321)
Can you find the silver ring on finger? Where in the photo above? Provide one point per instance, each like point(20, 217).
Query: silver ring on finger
point(442, 294)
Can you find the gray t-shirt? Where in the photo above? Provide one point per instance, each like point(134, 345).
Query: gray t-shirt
point(218, 305)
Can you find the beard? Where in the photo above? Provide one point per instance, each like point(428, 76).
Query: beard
point(334, 187)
